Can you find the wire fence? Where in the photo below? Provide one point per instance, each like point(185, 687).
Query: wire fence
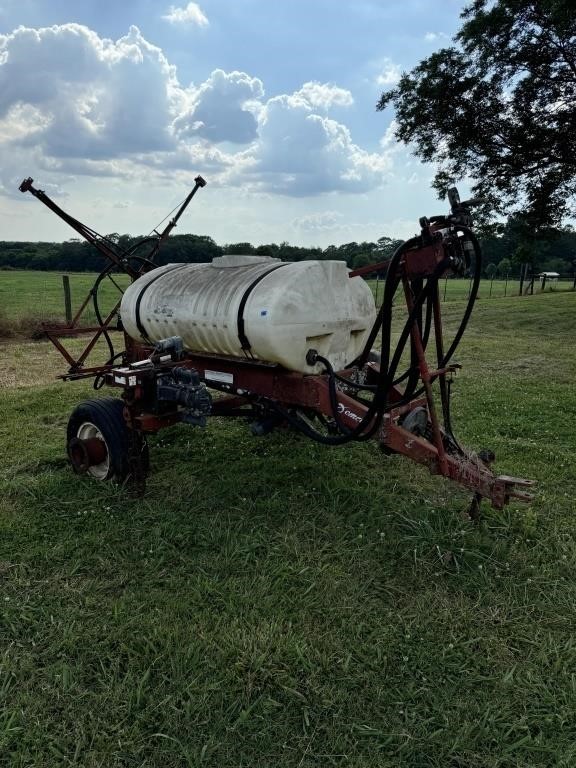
point(42, 296)
point(458, 289)
point(30, 295)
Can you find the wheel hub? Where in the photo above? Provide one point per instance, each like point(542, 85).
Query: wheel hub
point(86, 453)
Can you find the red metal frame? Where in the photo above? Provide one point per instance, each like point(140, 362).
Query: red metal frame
point(311, 392)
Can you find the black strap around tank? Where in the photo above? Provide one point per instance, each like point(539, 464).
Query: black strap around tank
point(139, 324)
point(241, 333)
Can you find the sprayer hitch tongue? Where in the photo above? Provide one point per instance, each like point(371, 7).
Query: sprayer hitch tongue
point(504, 489)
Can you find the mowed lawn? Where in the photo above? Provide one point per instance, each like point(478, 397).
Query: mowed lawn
point(32, 294)
point(272, 602)
point(40, 295)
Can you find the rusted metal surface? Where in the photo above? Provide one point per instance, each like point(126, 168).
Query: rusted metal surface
point(149, 422)
point(467, 471)
point(369, 269)
point(301, 391)
point(416, 335)
point(84, 454)
point(422, 262)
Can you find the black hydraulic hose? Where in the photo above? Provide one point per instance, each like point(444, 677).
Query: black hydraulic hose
point(375, 413)
point(471, 299)
point(390, 287)
point(378, 323)
point(333, 397)
point(465, 318)
point(416, 287)
point(426, 292)
point(358, 432)
point(389, 362)
point(95, 288)
point(470, 304)
point(99, 379)
point(142, 242)
point(412, 371)
point(473, 294)
point(387, 368)
point(463, 325)
point(149, 259)
point(442, 381)
point(302, 426)
point(94, 293)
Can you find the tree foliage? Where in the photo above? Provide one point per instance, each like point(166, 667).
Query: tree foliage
point(500, 106)
point(503, 247)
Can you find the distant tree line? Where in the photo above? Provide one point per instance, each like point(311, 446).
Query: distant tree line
point(79, 256)
point(504, 247)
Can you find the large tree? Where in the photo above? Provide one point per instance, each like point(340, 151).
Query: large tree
point(499, 106)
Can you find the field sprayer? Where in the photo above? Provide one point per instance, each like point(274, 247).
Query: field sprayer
point(298, 344)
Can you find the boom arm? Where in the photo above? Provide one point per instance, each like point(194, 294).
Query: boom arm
point(115, 254)
point(118, 258)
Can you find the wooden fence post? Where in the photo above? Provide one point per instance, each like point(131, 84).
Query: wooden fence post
point(67, 298)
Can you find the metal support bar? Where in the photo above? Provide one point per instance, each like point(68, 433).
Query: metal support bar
point(426, 380)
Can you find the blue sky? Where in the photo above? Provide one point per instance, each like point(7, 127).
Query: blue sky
point(114, 107)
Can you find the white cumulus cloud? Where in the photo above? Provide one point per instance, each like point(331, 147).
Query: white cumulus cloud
point(301, 153)
point(75, 104)
point(431, 37)
point(93, 98)
point(389, 140)
point(191, 14)
point(324, 95)
point(389, 74)
point(322, 221)
point(223, 108)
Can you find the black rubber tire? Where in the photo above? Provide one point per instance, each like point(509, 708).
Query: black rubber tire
point(106, 414)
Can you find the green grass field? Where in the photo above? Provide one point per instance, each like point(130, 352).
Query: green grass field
point(27, 294)
point(271, 602)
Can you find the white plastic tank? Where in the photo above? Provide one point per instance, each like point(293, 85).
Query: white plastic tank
point(254, 306)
